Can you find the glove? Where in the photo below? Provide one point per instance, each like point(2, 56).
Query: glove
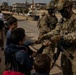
point(37, 42)
point(47, 43)
point(40, 38)
point(55, 38)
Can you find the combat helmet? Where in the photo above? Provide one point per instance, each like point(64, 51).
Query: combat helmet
point(50, 5)
point(62, 4)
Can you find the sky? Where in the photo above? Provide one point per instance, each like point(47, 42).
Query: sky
point(30, 1)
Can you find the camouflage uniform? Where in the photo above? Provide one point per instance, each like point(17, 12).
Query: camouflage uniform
point(47, 24)
point(39, 24)
point(67, 31)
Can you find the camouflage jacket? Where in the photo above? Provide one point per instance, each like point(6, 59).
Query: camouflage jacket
point(47, 23)
point(67, 29)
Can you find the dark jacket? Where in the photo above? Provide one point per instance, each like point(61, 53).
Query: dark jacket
point(19, 58)
point(1, 24)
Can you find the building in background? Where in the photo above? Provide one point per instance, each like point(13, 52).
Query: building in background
point(18, 6)
point(39, 6)
point(74, 3)
point(4, 6)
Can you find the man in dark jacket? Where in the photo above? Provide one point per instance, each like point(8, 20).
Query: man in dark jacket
point(1, 34)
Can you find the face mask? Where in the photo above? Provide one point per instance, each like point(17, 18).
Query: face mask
point(64, 13)
point(50, 11)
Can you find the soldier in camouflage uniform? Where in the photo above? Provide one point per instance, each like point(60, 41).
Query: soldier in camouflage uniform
point(66, 30)
point(47, 24)
point(39, 23)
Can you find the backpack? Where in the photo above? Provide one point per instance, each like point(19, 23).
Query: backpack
point(11, 60)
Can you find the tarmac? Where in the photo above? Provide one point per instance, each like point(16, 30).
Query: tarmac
point(19, 17)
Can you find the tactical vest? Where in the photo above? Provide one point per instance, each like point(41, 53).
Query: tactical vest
point(68, 26)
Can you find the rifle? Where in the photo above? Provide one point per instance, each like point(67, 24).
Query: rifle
point(67, 53)
point(39, 51)
point(55, 57)
point(63, 45)
point(61, 49)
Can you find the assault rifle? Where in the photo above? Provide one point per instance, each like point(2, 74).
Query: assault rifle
point(40, 50)
point(60, 48)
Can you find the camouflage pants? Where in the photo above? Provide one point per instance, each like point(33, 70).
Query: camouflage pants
point(68, 66)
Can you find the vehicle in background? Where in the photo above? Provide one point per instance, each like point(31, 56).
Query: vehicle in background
point(32, 16)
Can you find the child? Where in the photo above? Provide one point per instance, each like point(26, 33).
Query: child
point(42, 64)
point(18, 54)
point(12, 22)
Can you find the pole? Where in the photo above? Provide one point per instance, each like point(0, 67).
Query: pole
point(8, 5)
point(26, 3)
point(32, 6)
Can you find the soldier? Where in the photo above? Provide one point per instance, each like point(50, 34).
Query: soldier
point(66, 31)
point(39, 23)
point(48, 23)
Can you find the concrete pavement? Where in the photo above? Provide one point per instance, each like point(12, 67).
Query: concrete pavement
point(19, 17)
